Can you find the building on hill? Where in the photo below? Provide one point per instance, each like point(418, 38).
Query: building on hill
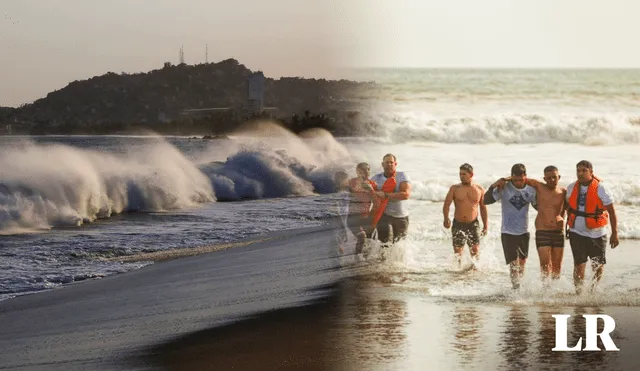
point(253, 106)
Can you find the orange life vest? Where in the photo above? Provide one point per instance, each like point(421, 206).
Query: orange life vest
point(595, 214)
point(380, 205)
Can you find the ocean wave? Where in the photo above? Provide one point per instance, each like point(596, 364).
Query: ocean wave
point(415, 126)
point(625, 192)
point(44, 186)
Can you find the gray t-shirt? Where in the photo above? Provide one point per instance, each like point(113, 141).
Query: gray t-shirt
point(396, 208)
point(580, 226)
point(515, 207)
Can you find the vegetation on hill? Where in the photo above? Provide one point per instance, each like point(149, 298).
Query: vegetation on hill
point(156, 100)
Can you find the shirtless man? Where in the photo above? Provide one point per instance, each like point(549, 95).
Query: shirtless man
point(467, 197)
point(549, 221)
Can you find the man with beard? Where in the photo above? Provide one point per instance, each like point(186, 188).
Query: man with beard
point(590, 206)
point(394, 189)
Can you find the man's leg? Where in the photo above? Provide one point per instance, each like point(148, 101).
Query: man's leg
point(557, 252)
point(597, 253)
point(400, 227)
point(544, 253)
point(523, 251)
point(383, 229)
point(556, 261)
point(511, 258)
point(459, 239)
point(578, 249)
point(543, 244)
point(474, 241)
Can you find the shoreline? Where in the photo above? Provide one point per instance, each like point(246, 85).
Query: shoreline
point(96, 323)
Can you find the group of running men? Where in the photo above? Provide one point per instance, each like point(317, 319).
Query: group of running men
point(586, 206)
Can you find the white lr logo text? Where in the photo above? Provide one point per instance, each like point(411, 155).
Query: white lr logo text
point(591, 332)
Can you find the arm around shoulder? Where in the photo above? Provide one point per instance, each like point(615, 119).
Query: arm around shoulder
point(488, 198)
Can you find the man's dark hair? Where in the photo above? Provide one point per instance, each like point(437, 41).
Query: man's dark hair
point(518, 170)
point(550, 168)
point(340, 176)
point(362, 165)
point(466, 167)
point(389, 154)
point(585, 163)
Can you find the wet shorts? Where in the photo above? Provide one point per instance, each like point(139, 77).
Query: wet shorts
point(553, 238)
point(358, 223)
point(515, 246)
point(465, 233)
point(584, 248)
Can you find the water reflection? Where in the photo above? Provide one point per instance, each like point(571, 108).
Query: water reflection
point(466, 326)
point(546, 340)
point(374, 326)
point(516, 338)
point(576, 329)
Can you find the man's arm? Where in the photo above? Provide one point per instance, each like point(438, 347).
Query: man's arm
point(484, 213)
point(565, 206)
point(533, 183)
point(447, 204)
point(613, 218)
point(607, 200)
point(488, 196)
point(404, 192)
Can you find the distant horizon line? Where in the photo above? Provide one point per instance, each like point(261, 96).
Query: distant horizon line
point(490, 68)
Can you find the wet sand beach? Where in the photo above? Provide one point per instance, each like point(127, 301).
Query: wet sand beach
point(99, 324)
point(293, 303)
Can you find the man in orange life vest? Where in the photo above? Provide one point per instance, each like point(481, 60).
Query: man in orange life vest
point(390, 211)
point(590, 206)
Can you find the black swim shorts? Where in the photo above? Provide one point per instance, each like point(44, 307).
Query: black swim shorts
point(515, 246)
point(465, 233)
point(550, 238)
point(584, 248)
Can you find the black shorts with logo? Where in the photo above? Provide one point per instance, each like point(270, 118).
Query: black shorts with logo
point(584, 248)
point(515, 246)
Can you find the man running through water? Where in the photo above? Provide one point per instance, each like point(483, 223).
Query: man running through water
point(590, 209)
point(515, 197)
point(549, 222)
point(391, 213)
point(362, 193)
point(467, 197)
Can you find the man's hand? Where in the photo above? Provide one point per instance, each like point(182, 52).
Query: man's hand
point(614, 239)
point(381, 194)
point(484, 231)
point(447, 223)
point(499, 183)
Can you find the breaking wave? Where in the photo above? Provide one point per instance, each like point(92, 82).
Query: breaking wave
point(48, 185)
point(416, 126)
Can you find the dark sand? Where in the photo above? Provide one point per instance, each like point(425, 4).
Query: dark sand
point(291, 303)
point(100, 324)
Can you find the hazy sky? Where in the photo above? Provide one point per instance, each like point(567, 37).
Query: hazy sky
point(502, 33)
point(45, 44)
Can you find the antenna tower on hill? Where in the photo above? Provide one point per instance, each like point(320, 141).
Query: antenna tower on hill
point(182, 55)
